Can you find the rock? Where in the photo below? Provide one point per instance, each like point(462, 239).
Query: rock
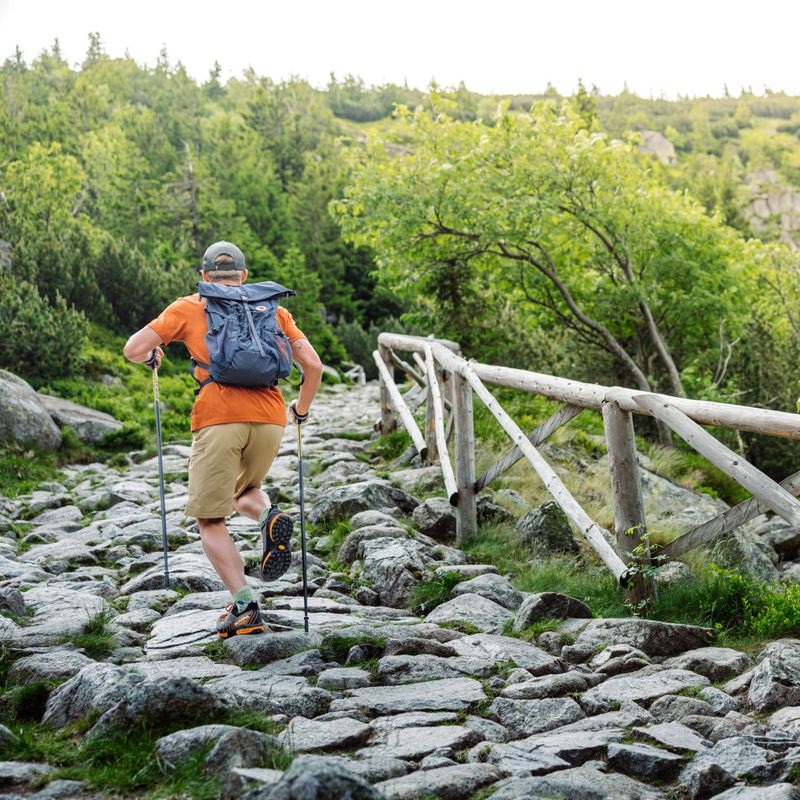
point(231, 747)
point(348, 552)
point(526, 717)
point(634, 686)
point(52, 665)
point(341, 502)
point(465, 570)
point(487, 729)
point(254, 650)
point(11, 600)
point(546, 530)
point(413, 646)
point(656, 143)
point(473, 609)
point(304, 735)
point(393, 670)
point(318, 778)
point(650, 636)
point(7, 737)
point(446, 783)
point(17, 772)
point(721, 702)
point(89, 425)
point(61, 790)
point(549, 605)
point(579, 783)
point(501, 649)
point(781, 537)
point(450, 694)
point(271, 694)
point(435, 517)
point(716, 663)
point(415, 743)
point(190, 571)
point(343, 678)
point(95, 689)
point(491, 513)
point(394, 567)
point(671, 573)
point(145, 702)
point(674, 707)
point(23, 418)
point(496, 588)
point(776, 679)
point(787, 719)
point(718, 767)
point(673, 736)
point(643, 761)
point(549, 686)
point(372, 518)
point(306, 663)
point(778, 791)
point(198, 668)
point(240, 781)
point(181, 629)
point(746, 551)
point(619, 658)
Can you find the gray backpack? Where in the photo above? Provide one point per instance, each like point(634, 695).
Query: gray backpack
point(246, 346)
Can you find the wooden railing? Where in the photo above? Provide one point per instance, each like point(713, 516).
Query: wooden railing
point(439, 364)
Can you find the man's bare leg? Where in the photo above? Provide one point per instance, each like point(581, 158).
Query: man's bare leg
point(222, 553)
point(251, 503)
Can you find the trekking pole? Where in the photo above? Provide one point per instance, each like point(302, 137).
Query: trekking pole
point(160, 468)
point(302, 528)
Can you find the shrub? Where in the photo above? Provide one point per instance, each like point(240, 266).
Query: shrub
point(37, 338)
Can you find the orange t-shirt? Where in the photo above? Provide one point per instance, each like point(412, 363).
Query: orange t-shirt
point(185, 321)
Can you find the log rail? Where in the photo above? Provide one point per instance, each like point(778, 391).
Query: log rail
point(626, 552)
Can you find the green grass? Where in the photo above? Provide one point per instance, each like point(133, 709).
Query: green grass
point(532, 632)
point(433, 592)
point(390, 447)
point(335, 646)
point(96, 637)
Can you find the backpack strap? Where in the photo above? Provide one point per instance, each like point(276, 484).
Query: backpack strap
point(200, 383)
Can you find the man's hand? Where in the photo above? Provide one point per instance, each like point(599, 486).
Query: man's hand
point(154, 360)
point(297, 418)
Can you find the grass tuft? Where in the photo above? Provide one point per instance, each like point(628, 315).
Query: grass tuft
point(97, 636)
point(431, 593)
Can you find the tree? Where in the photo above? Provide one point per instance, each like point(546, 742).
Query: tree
point(540, 211)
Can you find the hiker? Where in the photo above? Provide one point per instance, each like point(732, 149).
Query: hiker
point(236, 427)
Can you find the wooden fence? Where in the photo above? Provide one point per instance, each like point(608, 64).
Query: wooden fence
point(446, 382)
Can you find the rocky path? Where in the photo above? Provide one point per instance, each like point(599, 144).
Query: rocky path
point(375, 702)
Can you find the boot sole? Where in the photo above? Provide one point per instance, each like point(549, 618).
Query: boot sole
point(277, 557)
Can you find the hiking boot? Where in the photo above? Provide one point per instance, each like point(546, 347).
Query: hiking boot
point(276, 543)
point(233, 623)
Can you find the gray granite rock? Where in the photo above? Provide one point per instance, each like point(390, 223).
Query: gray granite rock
point(778, 791)
point(650, 636)
point(190, 571)
point(472, 609)
point(546, 530)
point(673, 736)
point(500, 649)
point(674, 707)
point(446, 783)
point(549, 605)
point(435, 517)
point(526, 717)
point(776, 679)
point(393, 670)
point(450, 694)
point(635, 686)
point(12, 600)
point(787, 719)
point(721, 702)
point(496, 588)
point(318, 778)
point(716, 663)
point(51, 665)
point(240, 781)
point(21, 772)
point(343, 678)
point(89, 424)
point(550, 686)
point(342, 502)
point(579, 783)
point(305, 735)
point(415, 743)
point(255, 650)
point(271, 694)
point(644, 761)
point(23, 418)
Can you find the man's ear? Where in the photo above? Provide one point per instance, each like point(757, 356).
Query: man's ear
point(206, 277)
point(244, 275)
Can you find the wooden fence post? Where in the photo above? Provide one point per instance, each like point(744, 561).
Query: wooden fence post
point(466, 512)
point(626, 486)
point(430, 424)
point(388, 421)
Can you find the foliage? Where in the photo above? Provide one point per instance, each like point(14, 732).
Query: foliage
point(433, 592)
point(38, 338)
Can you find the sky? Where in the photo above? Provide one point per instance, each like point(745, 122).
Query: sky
point(502, 46)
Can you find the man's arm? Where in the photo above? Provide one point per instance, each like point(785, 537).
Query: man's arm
point(308, 360)
point(139, 347)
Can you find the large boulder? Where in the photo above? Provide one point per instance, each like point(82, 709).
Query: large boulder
point(549, 605)
point(472, 609)
point(23, 418)
point(436, 518)
point(341, 502)
point(393, 567)
point(90, 425)
point(776, 679)
point(650, 636)
point(546, 530)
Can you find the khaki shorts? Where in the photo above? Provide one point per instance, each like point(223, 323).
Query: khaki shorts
point(226, 461)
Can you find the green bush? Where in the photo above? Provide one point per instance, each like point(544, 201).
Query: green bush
point(37, 338)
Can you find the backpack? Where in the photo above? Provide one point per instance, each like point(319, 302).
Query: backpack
point(246, 346)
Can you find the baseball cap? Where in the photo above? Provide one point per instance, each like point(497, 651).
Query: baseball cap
point(222, 249)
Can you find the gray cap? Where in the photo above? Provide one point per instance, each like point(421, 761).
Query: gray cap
point(219, 249)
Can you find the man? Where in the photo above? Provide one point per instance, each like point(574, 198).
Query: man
point(236, 433)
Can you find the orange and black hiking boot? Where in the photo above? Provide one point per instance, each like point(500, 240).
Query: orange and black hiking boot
point(233, 623)
point(276, 542)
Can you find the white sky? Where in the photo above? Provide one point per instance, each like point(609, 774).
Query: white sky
point(681, 47)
